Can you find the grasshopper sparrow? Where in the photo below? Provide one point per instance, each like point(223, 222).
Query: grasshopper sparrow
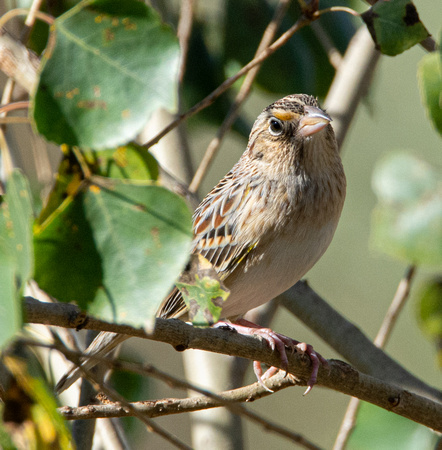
point(268, 221)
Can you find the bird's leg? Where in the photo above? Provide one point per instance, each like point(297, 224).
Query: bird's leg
point(280, 342)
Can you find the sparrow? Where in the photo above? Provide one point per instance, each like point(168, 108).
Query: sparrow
point(270, 219)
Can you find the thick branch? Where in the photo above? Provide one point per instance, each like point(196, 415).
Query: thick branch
point(341, 377)
point(349, 341)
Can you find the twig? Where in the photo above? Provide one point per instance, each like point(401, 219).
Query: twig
point(242, 95)
point(334, 56)
point(228, 399)
point(158, 408)
point(207, 101)
point(6, 108)
point(32, 13)
point(341, 377)
point(151, 426)
point(398, 302)
point(25, 12)
point(184, 32)
point(13, 120)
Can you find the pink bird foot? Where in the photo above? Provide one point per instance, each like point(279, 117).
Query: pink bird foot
point(279, 342)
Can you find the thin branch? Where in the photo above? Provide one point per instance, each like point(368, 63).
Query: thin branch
point(207, 101)
point(341, 377)
point(151, 426)
point(25, 12)
point(6, 108)
point(32, 13)
point(184, 31)
point(228, 399)
point(14, 120)
point(242, 95)
point(398, 302)
point(334, 56)
point(158, 408)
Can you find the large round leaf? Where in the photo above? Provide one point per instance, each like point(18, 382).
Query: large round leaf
point(116, 248)
point(112, 65)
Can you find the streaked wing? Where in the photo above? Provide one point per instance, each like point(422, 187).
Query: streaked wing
point(216, 237)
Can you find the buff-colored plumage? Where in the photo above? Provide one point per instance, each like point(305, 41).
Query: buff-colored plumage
point(268, 221)
point(274, 214)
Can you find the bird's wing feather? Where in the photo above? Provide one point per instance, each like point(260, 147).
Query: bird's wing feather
point(216, 237)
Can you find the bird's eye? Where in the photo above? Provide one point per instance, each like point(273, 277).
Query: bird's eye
point(275, 127)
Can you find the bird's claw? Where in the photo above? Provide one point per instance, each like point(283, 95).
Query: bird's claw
point(280, 342)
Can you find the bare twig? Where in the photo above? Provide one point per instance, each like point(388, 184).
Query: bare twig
point(341, 377)
point(156, 408)
point(334, 56)
point(151, 425)
point(6, 108)
point(25, 12)
point(242, 95)
point(228, 399)
point(184, 32)
point(207, 101)
point(398, 302)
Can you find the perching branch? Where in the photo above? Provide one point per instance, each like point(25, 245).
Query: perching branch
point(349, 341)
point(341, 377)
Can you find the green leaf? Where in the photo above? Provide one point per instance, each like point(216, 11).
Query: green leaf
point(116, 249)
point(407, 222)
point(202, 291)
point(430, 83)
point(67, 262)
point(394, 26)
point(382, 430)
point(112, 65)
point(430, 311)
point(129, 162)
point(16, 256)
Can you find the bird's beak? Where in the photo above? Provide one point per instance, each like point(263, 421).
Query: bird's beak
point(314, 120)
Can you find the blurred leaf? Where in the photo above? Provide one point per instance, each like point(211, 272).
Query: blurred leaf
point(430, 312)
point(126, 65)
point(301, 65)
point(394, 26)
point(430, 83)
point(5, 439)
point(382, 430)
point(202, 291)
point(67, 263)
point(407, 222)
point(130, 162)
point(50, 428)
point(16, 256)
